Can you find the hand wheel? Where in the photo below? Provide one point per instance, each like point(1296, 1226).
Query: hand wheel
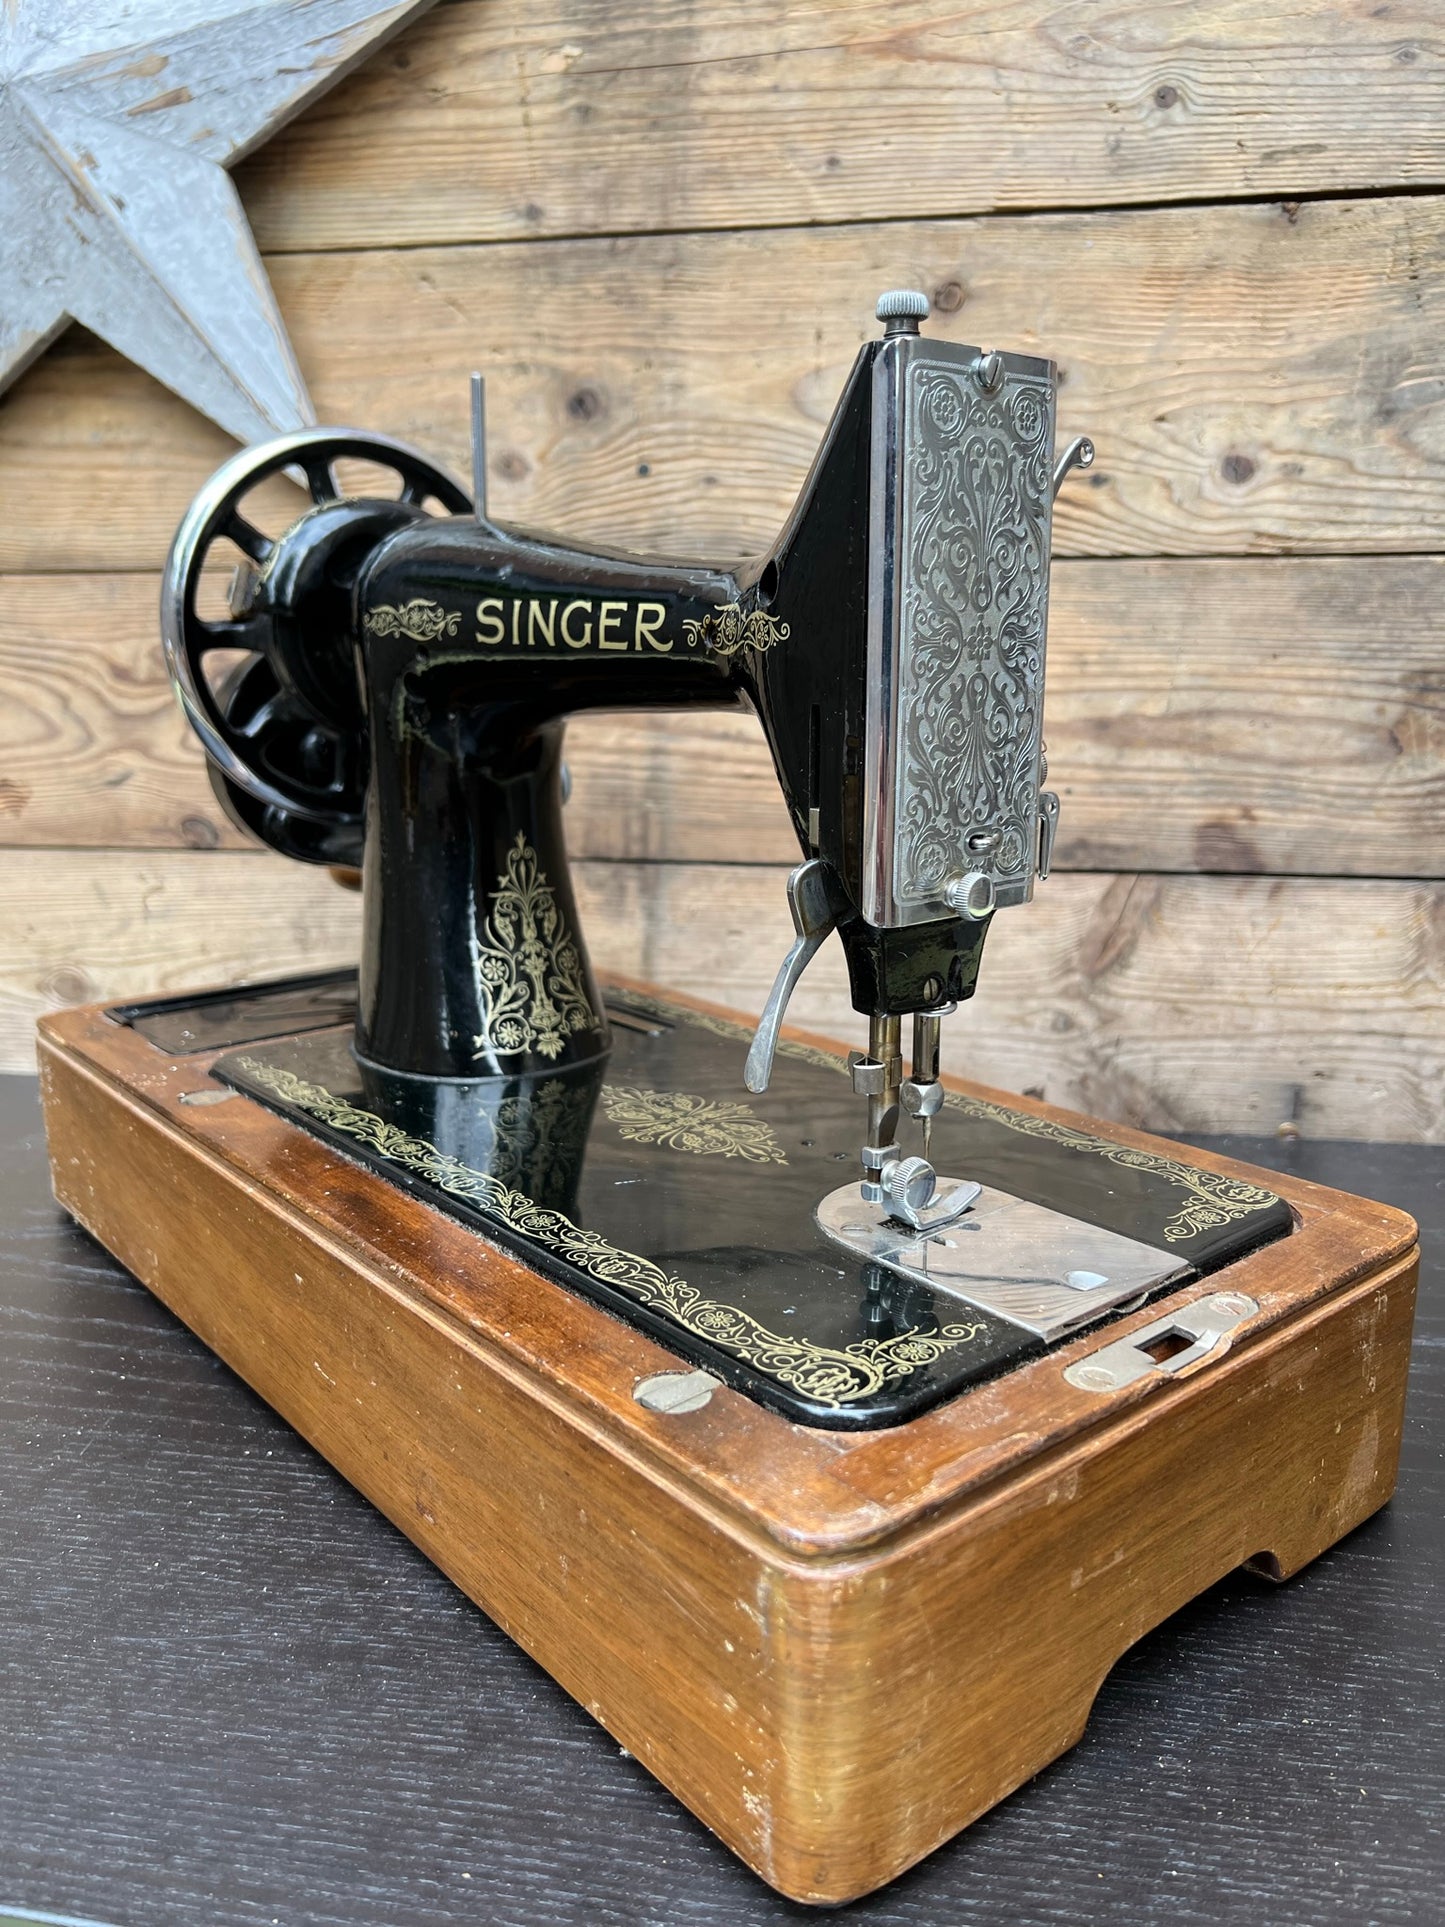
point(284, 729)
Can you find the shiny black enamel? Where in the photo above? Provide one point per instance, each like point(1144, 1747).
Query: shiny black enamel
point(466, 740)
point(217, 1019)
point(417, 682)
point(292, 706)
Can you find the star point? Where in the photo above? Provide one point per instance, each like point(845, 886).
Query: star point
point(117, 124)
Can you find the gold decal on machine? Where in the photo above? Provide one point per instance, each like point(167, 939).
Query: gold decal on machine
point(730, 628)
point(538, 623)
point(417, 620)
point(836, 1375)
point(583, 636)
point(705, 1126)
point(529, 969)
point(541, 625)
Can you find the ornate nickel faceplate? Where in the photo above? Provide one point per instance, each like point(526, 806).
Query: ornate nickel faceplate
point(961, 513)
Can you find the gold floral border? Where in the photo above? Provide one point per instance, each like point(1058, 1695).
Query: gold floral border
point(1215, 1199)
point(831, 1376)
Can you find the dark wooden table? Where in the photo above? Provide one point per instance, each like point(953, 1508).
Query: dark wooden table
point(232, 1693)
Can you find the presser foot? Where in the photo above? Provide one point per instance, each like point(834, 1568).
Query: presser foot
point(907, 1189)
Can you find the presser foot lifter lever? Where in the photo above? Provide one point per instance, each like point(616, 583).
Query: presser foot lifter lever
point(813, 902)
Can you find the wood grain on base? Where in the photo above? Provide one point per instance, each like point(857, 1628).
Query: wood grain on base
point(1256, 379)
point(836, 1648)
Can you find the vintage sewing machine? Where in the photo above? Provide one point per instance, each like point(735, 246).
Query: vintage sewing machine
point(829, 1438)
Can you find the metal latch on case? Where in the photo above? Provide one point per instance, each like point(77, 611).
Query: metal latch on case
point(1170, 1345)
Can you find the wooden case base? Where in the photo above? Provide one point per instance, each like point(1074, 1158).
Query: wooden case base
point(836, 1648)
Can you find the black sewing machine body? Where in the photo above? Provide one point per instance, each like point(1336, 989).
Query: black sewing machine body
point(467, 734)
point(402, 708)
point(425, 667)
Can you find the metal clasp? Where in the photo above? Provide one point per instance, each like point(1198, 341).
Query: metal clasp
point(1048, 830)
point(1078, 454)
point(1171, 1344)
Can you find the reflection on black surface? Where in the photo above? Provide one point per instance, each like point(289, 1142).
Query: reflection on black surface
point(528, 1132)
point(692, 1209)
point(893, 1304)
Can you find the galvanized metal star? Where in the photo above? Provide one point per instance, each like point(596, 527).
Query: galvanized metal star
point(117, 121)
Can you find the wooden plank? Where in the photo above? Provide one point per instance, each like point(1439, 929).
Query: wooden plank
point(1257, 379)
point(80, 925)
point(1281, 717)
point(1187, 1004)
point(507, 121)
point(94, 750)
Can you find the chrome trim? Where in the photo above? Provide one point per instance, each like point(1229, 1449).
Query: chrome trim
point(815, 915)
point(880, 722)
point(1042, 1269)
point(1172, 1344)
point(1078, 454)
point(960, 521)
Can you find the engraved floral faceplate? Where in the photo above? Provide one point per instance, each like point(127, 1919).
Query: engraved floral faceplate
point(964, 629)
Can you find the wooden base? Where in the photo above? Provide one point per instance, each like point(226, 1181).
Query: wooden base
point(836, 1648)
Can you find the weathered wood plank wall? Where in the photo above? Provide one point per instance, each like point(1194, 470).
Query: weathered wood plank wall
point(662, 240)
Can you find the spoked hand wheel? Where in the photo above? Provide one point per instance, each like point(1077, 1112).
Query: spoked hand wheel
point(283, 728)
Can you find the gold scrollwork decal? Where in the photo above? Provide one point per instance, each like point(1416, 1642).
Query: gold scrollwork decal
point(829, 1375)
point(528, 968)
point(1216, 1199)
point(730, 628)
point(417, 620)
point(707, 1127)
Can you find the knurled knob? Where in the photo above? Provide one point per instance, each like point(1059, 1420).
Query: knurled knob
point(910, 1181)
point(902, 309)
point(972, 896)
